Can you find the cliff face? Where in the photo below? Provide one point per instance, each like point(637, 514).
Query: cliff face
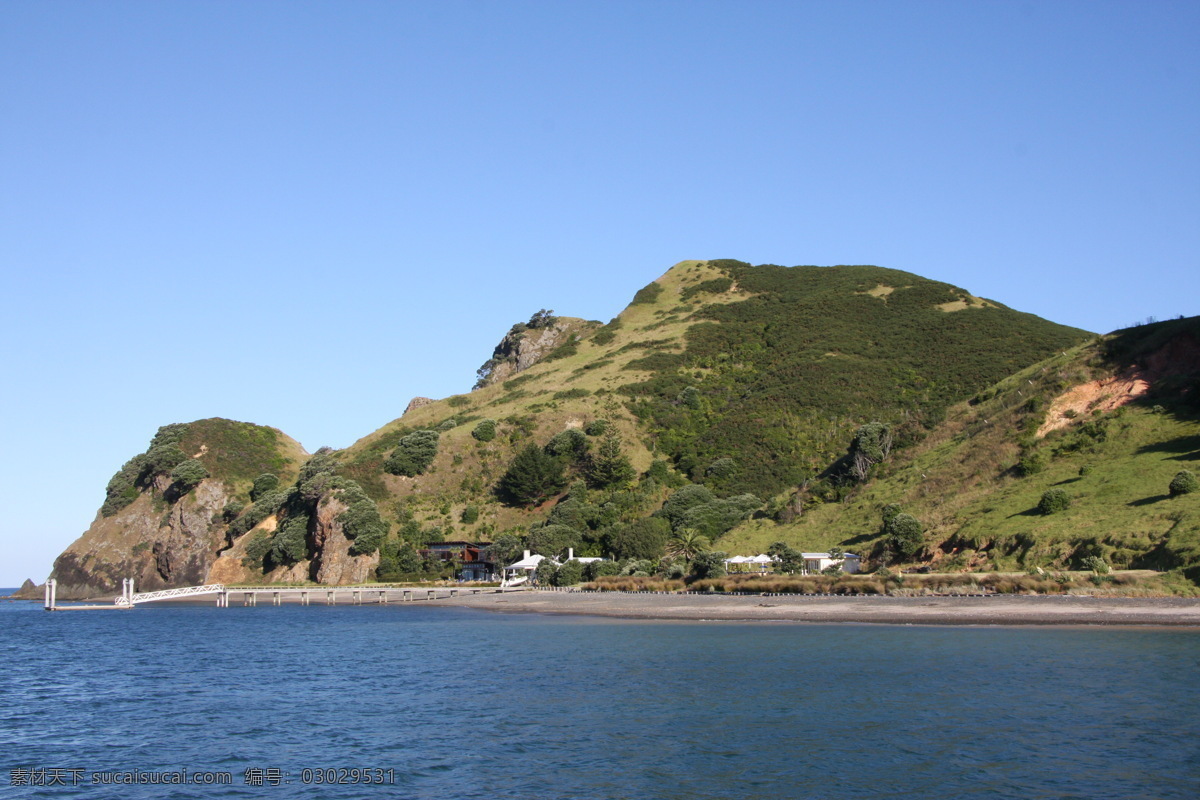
point(333, 563)
point(158, 547)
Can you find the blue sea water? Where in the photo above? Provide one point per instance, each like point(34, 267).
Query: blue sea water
point(470, 704)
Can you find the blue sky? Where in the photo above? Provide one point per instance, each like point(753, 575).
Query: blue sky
point(303, 214)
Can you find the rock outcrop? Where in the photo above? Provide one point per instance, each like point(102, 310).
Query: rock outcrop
point(334, 564)
point(158, 547)
point(523, 346)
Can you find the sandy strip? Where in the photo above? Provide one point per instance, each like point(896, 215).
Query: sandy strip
point(992, 610)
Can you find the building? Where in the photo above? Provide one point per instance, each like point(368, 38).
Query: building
point(471, 556)
point(817, 562)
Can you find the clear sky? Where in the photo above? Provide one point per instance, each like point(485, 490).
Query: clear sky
point(302, 214)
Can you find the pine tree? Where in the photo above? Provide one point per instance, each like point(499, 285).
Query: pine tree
point(532, 476)
point(609, 468)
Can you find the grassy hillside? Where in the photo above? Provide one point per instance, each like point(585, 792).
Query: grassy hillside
point(733, 406)
point(748, 380)
point(1068, 423)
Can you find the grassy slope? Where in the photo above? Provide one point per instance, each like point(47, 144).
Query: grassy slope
point(440, 495)
point(978, 513)
point(655, 339)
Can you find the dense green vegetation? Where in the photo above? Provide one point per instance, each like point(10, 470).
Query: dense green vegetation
point(777, 381)
point(232, 452)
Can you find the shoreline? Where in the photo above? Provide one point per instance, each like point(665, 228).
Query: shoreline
point(993, 610)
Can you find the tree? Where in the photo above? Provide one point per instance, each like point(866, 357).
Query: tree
point(905, 535)
point(709, 565)
point(413, 454)
point(1183, 483)
point(553, 540)
point(687, 543)
point(291, 540)
point(257, 548)
point(546, 572)
point(187, 475)
point(790, 561)
point(872, 445)
point(571, 444)
point(531, 477)
point(715, 518)
point(1053, 501)
point(609, 468)
point(263, 484)
point(680, 501)
point(504, 549)
point(542, 318)
point(645, 538)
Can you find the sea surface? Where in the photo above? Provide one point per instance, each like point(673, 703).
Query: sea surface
point(453, 703)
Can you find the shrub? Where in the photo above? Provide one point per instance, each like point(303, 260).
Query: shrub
point(1031, 464)
point(596, 427)
point(161, 460)
point(448, 425)
point(599, 569)
point(905, 534)
point(603, 336)
point(267, 505)
point(485, 431)
point(569, 573)
point(470, 515)
point(361, 521)
point(1053, 501)
point(1096, 564)
point(647, 294)
point(262, 484)
point(546, 572)
point(413, 454)
point(1183, 483)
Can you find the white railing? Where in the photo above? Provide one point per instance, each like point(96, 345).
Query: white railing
point(166, 594)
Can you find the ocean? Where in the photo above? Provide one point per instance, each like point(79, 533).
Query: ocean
point(405, 701)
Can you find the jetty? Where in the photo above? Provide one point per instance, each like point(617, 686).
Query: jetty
point(273, 595)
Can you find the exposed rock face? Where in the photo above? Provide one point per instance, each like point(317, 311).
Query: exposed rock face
point(522, 347)
point(158, 550)
point(416, 403)
point(334, 565)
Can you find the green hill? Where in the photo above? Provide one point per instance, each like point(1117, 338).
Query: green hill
point(1108, 423)
point(746, 405)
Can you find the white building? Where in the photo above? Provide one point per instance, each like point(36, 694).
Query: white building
point(816, 562)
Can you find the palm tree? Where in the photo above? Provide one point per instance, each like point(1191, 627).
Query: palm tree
point(688, 543)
